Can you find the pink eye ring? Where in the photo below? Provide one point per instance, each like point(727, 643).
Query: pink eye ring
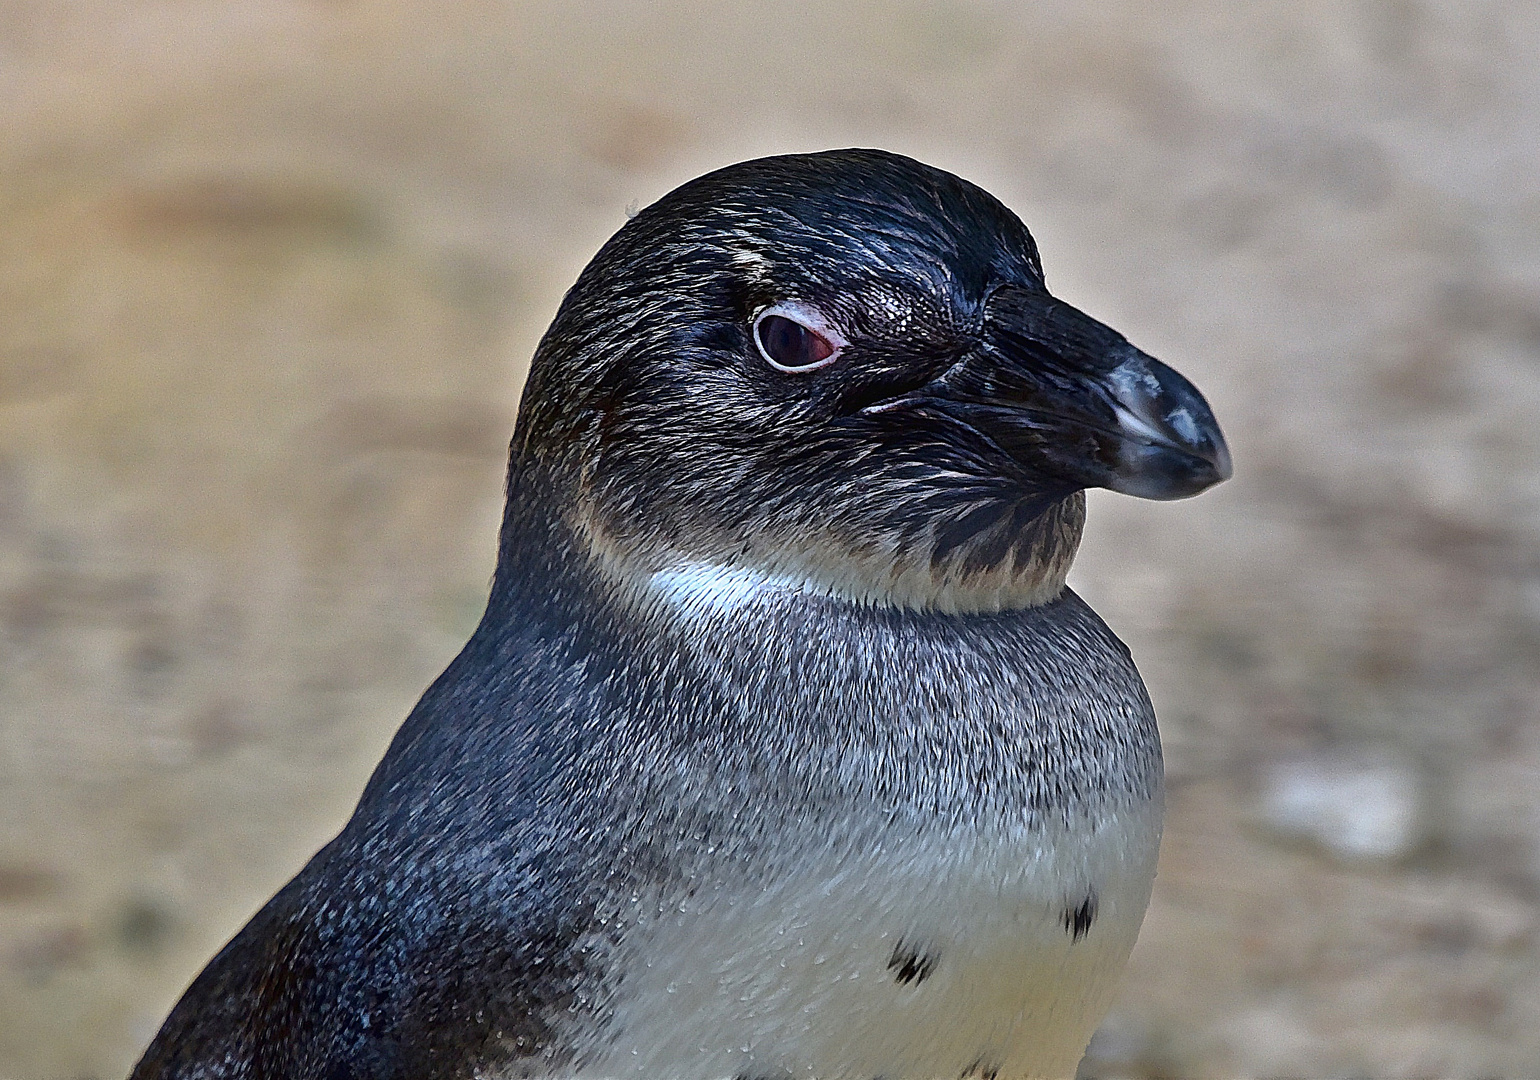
point(796, 338)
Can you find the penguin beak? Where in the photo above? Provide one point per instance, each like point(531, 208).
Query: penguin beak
point(1062, 393)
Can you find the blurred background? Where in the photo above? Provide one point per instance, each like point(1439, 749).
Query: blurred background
point(270, 273)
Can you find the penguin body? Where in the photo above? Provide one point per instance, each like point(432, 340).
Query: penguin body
point(781, 749)
point(897, 921)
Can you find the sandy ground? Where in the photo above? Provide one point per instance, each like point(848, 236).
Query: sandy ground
point(269, 275)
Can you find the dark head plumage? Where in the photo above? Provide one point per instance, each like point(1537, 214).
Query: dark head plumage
point(929, 441)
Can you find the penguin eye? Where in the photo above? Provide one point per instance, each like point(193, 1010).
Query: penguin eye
point(789, 344)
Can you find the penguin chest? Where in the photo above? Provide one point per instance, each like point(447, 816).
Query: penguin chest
point(948, 954)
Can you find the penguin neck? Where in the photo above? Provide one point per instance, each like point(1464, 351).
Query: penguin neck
point(763, 662)
point(871, 576)
point(1024, 569)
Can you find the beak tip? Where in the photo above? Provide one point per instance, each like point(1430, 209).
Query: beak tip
point(1163, 474)
point(1172, 446)
point(1224, 465)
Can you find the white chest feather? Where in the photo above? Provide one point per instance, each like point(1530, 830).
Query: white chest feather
point(950, 956)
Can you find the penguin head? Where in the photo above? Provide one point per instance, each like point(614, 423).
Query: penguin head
point(844, 370)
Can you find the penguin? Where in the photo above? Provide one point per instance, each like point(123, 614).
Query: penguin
point(782, 749)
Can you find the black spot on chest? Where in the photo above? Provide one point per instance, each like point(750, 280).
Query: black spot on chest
point(911, 964)
point(1077, 920)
